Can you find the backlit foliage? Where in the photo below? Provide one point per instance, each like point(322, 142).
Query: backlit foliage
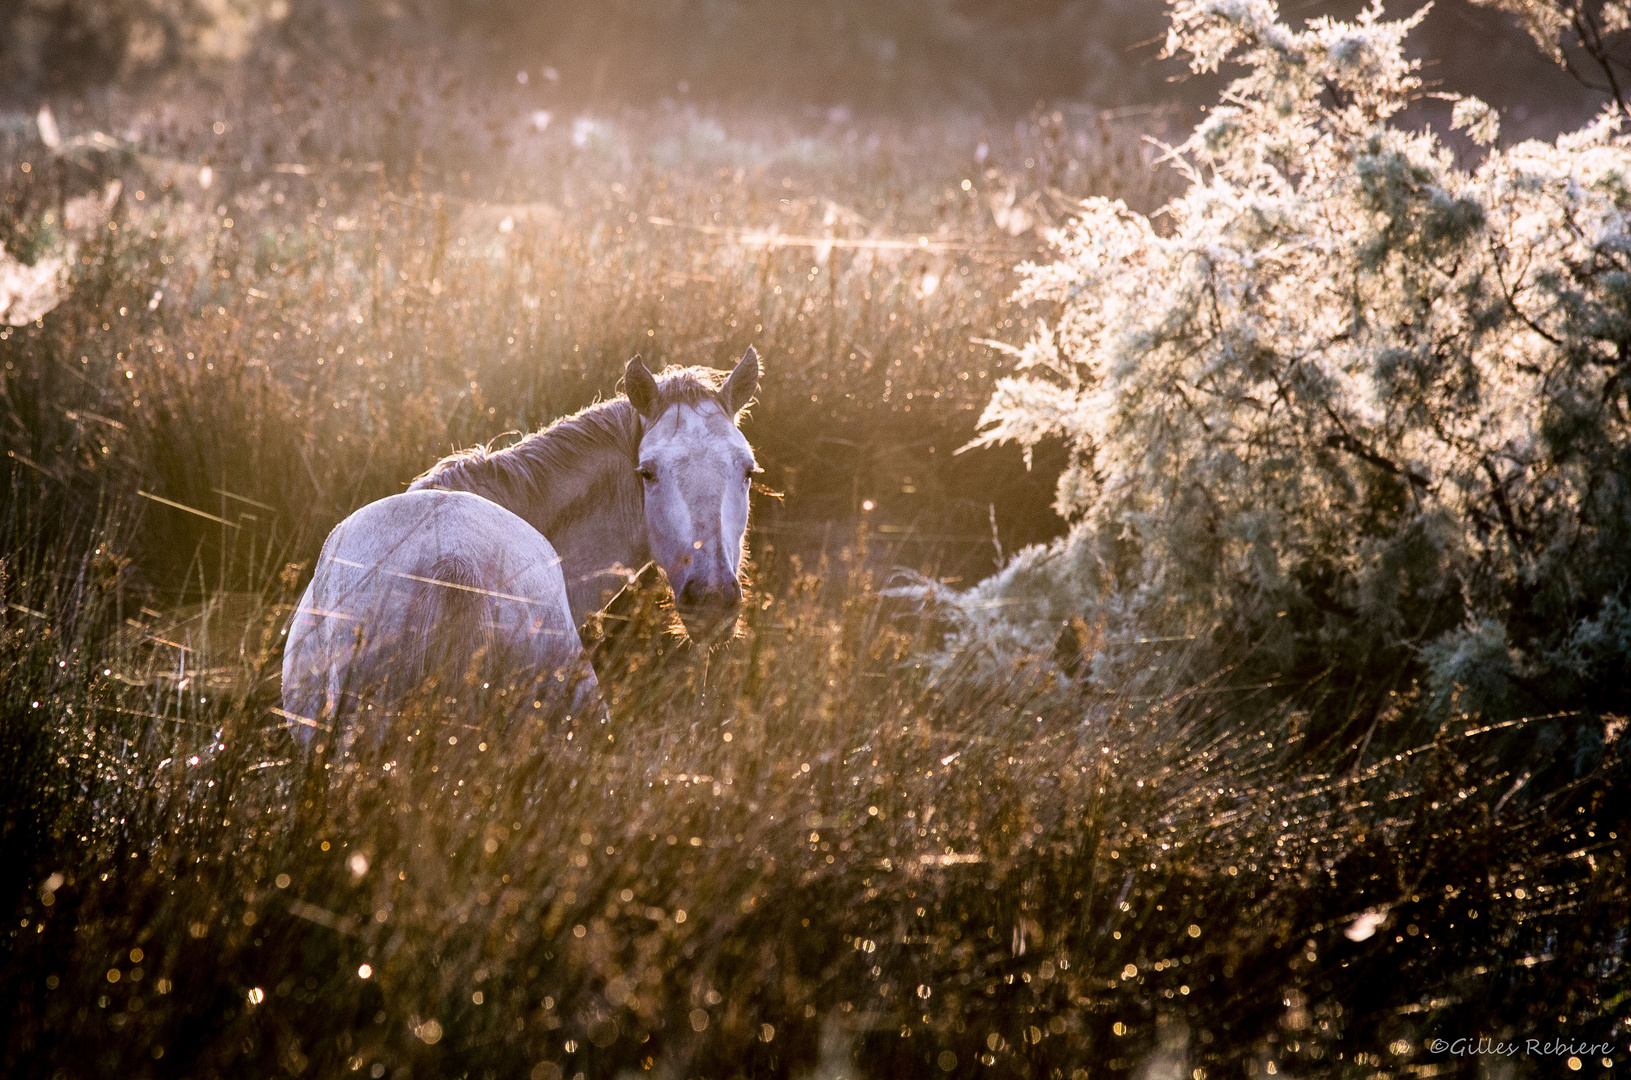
point(1586, 37)
point(1345, 413)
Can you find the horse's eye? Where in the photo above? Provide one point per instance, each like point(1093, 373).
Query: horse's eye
point(647, 473)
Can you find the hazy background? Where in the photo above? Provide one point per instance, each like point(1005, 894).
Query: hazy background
point(903, 57)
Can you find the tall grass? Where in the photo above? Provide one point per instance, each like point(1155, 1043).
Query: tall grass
point(797, 854)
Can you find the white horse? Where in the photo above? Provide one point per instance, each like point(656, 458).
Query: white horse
point(474, 581)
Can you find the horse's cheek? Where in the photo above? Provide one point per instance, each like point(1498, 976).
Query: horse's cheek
point(667, 529)
point(734, 538)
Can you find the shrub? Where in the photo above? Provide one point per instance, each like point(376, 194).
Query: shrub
point(1344, 415)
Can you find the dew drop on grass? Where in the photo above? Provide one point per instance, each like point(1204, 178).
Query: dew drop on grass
point(1365, 926)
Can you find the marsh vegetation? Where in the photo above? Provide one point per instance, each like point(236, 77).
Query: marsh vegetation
point(861, 839)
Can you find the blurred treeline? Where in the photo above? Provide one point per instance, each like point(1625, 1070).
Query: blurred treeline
point(912, 55)
point(854, 51)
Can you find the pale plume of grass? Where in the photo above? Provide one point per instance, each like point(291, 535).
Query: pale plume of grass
point(29, 292)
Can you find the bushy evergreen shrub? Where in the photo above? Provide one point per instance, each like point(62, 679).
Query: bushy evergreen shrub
point(1346, 414)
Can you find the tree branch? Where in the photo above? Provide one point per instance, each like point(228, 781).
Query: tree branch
point(1498, 490)
point(1591, 39)
point(1360, 450)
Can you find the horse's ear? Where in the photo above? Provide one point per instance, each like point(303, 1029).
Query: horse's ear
point(742, 384)
point(640, 386)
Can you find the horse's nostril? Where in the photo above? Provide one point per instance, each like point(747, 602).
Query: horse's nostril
point(697, 595)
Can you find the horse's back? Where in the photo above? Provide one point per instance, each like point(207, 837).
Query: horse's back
point(433, 591)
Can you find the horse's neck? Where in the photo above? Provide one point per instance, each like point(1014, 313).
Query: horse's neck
point(597, 525)
point(589, 506)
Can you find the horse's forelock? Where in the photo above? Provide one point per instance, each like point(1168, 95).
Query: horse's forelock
point(690, 386)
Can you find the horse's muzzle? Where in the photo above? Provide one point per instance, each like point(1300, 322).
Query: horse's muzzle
point(709, 611)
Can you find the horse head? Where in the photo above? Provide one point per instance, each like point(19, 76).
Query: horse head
point(695, 468)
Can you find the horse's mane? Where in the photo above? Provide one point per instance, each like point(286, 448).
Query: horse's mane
point(519, 473)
